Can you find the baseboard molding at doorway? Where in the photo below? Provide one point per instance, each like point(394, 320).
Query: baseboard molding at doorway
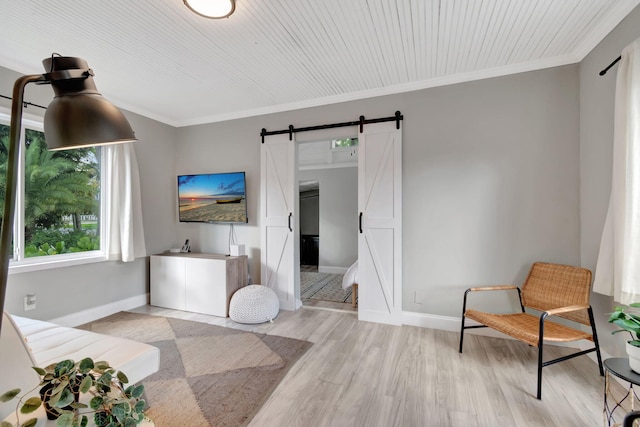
point(336, 310)
point(331, 270)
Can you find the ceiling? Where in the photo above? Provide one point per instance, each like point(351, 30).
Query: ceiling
point(158, 59)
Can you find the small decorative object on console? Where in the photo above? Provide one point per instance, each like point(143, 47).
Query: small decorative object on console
point(236, 250)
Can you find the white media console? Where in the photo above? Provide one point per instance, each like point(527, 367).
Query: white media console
point(197, 282)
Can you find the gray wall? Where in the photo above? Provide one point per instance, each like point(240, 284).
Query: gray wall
point(338, 215)
point(491, 178)
point(310, 213)
point(490, 184)
point(497, 173)
point(597, 96)
point(232, 146)
point(63, 291)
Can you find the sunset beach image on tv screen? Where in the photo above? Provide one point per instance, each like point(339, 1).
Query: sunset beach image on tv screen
point(216, 197)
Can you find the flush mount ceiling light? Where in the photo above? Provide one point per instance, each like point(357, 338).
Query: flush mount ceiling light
point(214, 9)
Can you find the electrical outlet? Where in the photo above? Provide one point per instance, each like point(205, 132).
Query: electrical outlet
point(30, 302)
point(419, 297)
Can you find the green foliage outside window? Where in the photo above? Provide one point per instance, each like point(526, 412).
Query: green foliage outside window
point(346, 142)
point(61, 196)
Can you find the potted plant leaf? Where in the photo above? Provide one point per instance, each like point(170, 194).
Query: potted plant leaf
point(72, 392)
point(61, 384)
point(628, 319)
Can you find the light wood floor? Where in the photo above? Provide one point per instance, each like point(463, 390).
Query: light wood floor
point(367, 374)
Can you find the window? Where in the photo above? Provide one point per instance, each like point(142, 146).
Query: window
point(618, 267)
point(344, 143)
point(58, 204)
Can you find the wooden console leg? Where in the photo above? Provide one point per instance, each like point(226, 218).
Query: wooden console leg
point(354, 295)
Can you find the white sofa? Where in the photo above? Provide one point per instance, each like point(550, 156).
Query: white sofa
point(26, 342)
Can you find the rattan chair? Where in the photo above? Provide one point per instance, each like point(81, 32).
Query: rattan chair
point(552, 290)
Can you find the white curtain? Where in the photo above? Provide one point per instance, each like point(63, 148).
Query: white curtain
point(125, 238)
point(618, 268)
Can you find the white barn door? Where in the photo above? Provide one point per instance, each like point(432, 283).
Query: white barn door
point(380, 223)
point(280, 255)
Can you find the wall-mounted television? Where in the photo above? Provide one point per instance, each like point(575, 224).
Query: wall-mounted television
point(212, 198)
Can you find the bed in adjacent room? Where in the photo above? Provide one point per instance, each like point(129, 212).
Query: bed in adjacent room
point(350, 279)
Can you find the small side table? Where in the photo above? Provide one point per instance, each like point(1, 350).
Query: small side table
point(619, 367)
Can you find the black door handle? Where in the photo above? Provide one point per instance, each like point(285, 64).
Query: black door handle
point(290, 215)
point(360, 222)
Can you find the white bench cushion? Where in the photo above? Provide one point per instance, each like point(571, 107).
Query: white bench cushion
point(50, 343)
point(15, 365)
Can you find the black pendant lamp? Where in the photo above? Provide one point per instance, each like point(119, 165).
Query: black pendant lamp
point(77, 117)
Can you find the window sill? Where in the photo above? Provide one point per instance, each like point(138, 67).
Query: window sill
point(56, 261)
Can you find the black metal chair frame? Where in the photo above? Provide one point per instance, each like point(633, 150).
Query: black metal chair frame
point(543, 317)
point(630, 418)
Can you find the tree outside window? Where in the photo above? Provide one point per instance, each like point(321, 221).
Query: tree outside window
point(344, 143)
point(61, 199)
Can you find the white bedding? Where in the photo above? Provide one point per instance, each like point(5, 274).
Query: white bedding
point(351, 276)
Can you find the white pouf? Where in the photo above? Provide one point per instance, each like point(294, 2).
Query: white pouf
point(254, 304)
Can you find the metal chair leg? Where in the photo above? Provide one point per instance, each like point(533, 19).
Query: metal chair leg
point(539, 395)
point(595, 340)
point(464, 309)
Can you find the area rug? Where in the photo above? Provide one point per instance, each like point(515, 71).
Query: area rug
point(323, 286)
point(209, 375)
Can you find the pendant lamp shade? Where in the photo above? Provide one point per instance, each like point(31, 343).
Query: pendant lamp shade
point(79, 116)
point(214, 9)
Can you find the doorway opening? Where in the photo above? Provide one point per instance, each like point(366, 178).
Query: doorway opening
point(378, 220)
point(328, 209)
point(309, 192)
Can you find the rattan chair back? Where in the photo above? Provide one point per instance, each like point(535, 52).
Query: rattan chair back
point(550, 286)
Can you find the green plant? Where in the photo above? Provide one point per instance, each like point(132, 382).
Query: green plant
point(62, 386)
point(628, 319)
point(86, 243)
point(44, 249)
point(53, 241)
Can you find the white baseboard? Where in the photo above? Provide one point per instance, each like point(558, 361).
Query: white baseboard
point(332, 270)
point(289, 304)
point(379, 317)
point(432, 321)
point(95, 313)
point(446, 323)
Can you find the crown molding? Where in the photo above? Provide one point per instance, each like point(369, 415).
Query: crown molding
point(390, 90)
